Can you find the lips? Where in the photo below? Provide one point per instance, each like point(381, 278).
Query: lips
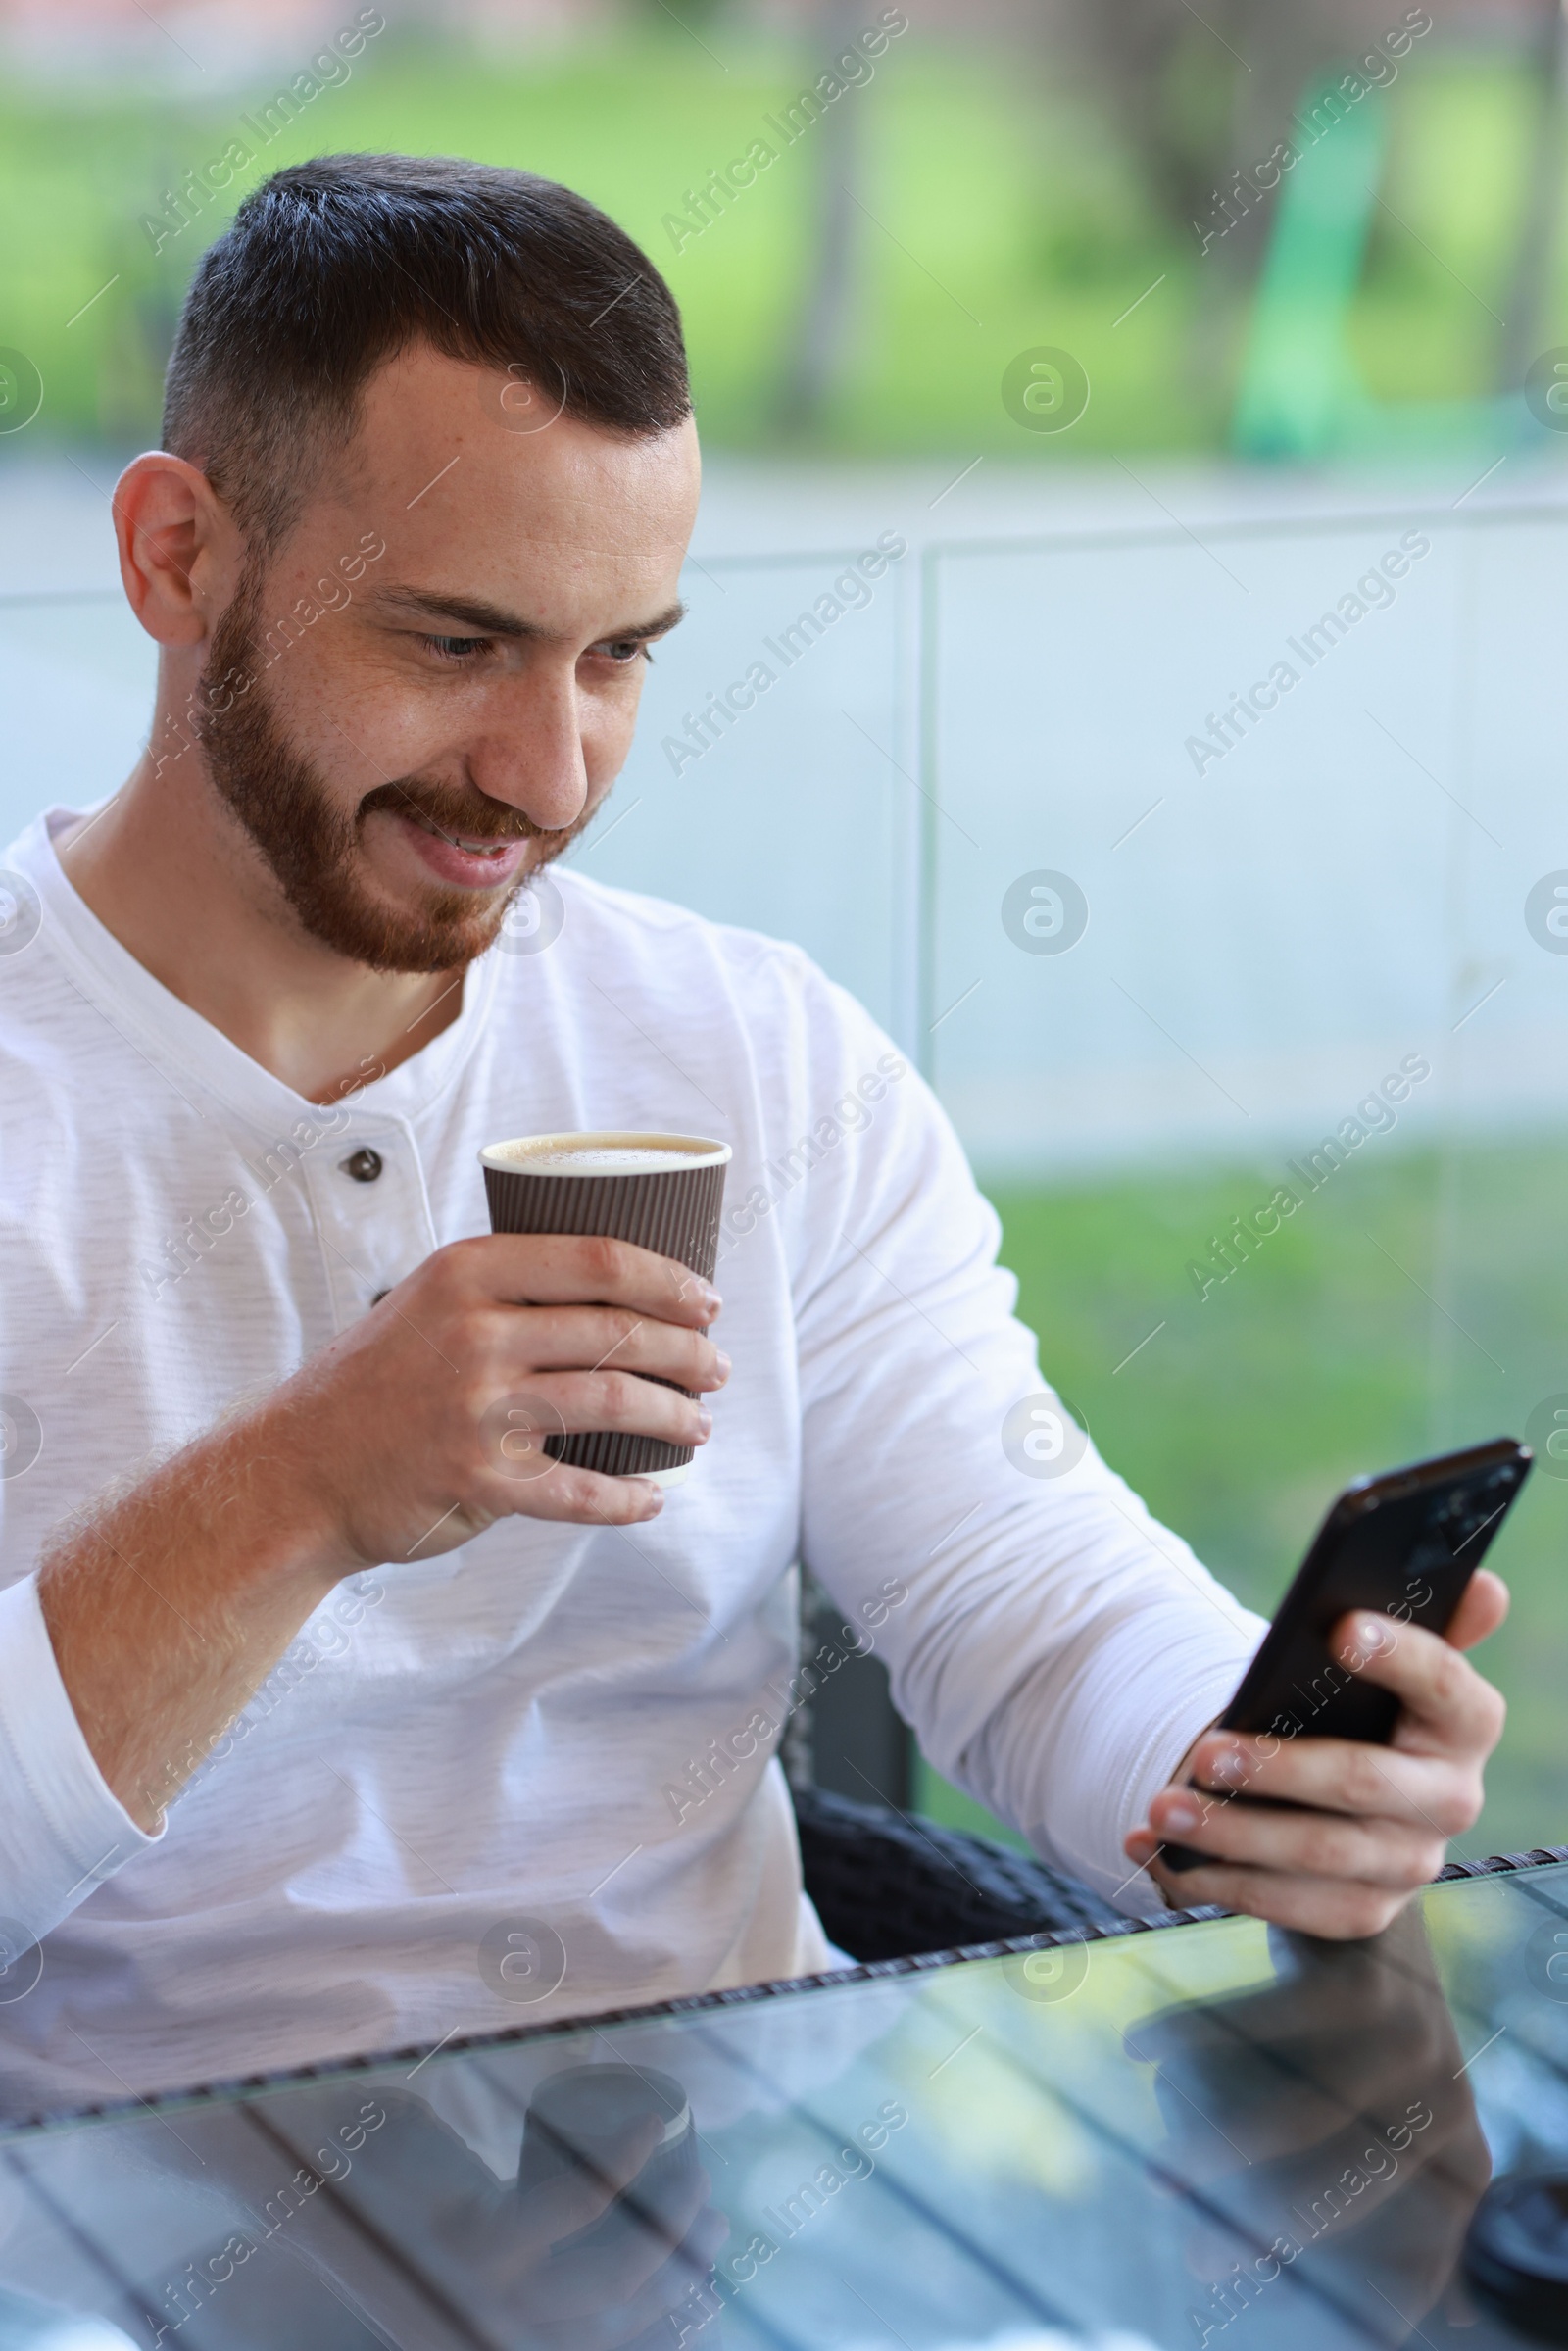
point(480, 844)
point(461, 859)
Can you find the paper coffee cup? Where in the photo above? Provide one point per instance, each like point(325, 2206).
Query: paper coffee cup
point(662, 1192)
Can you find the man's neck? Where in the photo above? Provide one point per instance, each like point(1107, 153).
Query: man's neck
point(158, 870)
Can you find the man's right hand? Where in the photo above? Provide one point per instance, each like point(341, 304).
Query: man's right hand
point(424, 1422)
point(405, 1436)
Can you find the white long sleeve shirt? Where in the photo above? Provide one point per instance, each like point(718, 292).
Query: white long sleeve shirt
point(556, 1732)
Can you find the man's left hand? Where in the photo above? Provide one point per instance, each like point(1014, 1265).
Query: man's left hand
point(1364, 1826)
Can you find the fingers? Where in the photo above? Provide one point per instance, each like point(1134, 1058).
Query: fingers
point(1346, 1830)
point(429, 1419)
point(566, 1404)
point(517, 1475)
point(1376, 1851)
point(580, 1338)
point(1340, 1774)
point(1448, 1708)
point(1337, 1909)
point(583, 1498)
point(563, 1269)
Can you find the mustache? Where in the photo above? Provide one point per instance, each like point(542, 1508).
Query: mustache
point(473, 814)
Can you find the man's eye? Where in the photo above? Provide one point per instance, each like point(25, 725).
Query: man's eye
point(456, 649)
point(624, 650)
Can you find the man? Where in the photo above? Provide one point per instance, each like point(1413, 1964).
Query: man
point(428, 479)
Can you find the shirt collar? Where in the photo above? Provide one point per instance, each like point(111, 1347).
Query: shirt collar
point(157, 1022)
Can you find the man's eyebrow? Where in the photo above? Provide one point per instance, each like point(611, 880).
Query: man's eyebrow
point(490, 621)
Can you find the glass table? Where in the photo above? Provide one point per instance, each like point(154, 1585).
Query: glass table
point(1213, 2133)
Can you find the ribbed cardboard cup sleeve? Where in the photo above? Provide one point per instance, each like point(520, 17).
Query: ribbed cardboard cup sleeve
point(673, 1210)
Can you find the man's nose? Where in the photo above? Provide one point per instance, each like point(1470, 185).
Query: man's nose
point(528, 747)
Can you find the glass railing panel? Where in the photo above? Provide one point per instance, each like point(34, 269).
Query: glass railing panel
point(1270, 1088)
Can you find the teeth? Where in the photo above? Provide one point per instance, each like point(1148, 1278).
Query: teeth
point(482, 849)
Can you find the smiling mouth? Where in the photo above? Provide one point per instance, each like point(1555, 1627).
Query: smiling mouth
point(467, 843)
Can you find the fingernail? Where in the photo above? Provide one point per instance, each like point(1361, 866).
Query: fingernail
point(704, 1420)
point(713, 1303)
point(1228, 1764)
point(722, 1363)
point(1181, 1813)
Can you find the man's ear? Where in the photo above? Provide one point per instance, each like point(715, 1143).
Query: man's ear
point(180, 552)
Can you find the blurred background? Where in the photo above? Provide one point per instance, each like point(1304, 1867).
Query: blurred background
point(1178, 347)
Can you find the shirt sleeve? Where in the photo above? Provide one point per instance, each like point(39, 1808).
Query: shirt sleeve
point(1056, 1650)
point(62, 1830)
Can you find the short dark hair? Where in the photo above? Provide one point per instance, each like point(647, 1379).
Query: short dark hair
point(331, 267)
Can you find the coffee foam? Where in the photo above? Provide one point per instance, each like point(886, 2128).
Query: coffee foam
point(607, 1158)
point(603, 1154)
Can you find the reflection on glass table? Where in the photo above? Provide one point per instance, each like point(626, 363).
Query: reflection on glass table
point(1215, 2133)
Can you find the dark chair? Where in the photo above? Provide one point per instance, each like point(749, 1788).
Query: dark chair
point(889, 1884)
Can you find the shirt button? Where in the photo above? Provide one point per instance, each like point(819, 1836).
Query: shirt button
point(363, 1165)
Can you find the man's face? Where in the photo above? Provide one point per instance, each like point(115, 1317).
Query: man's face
point(458, 705)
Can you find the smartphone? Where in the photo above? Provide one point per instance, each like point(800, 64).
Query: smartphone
point(1406, 1545)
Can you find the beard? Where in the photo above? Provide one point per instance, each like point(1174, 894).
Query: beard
point(315, 850)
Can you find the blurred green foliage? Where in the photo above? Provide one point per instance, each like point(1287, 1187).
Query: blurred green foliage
point(1418, 1301)
point(1000, 211)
